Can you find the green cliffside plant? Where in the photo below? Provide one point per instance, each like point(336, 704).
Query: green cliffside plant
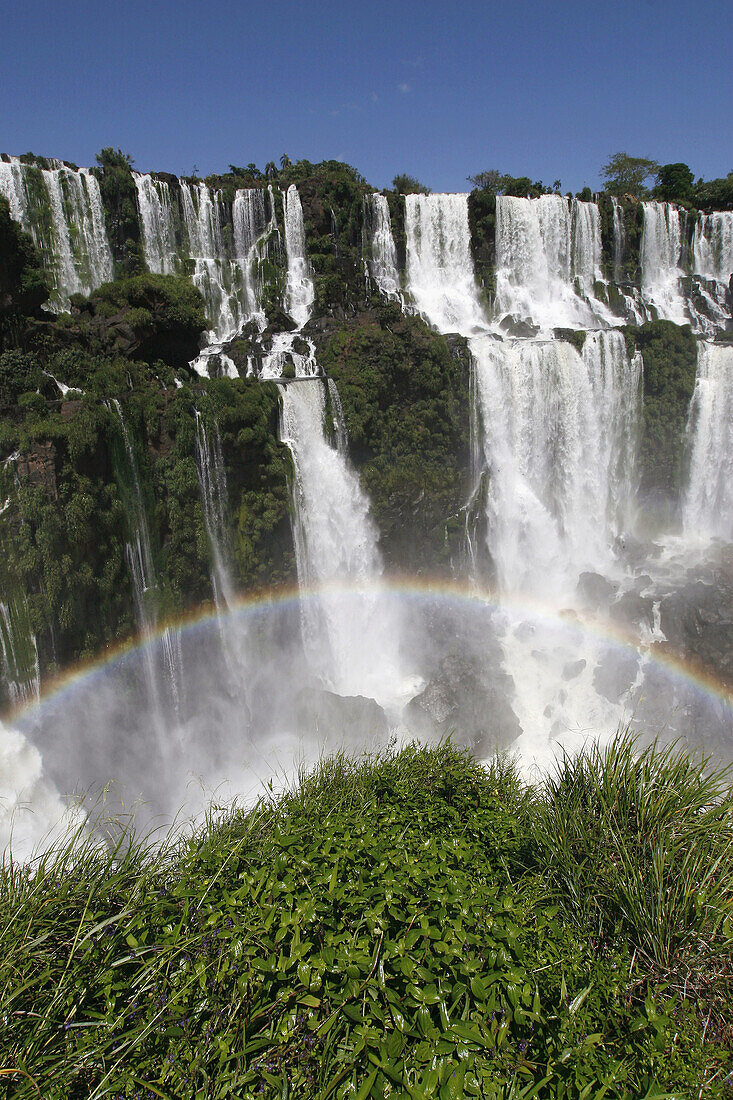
point(669, 352)
point(405, 396)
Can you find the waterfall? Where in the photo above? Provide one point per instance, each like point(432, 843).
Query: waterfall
point(224, 271)
point(619, 240)
point(350, 633)
point(708, 505)
point(145, 586)
point(555, 433)
point(661, 250)
point(383, 263)
point(251, 225)
point(712, 245)
point(558, 435)
point(156, 223)
point(587, 247)
point(545, 248)
point(300, 291)
point(212, 272)
point(19, 652)
point(212, 480)
point(439, 266)
point(62, 210)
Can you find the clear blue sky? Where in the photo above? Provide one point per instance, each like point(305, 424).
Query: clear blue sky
point(437, 89)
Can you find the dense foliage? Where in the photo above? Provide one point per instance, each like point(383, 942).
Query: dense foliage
point(23, 287)
point(669, 352)
point(404, 392)
point(153, 317)
point(404, 926)
point(119, 197)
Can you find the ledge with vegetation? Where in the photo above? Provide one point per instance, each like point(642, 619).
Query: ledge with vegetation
point(410, 925)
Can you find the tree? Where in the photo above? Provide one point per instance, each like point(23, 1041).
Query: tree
point(490, 180)
point(408, 185)
point(285, 161)
point(271, 170)
point(627, 175)
point(674, 183)
point(494, 182)
point(109, 158)
point(119, 196)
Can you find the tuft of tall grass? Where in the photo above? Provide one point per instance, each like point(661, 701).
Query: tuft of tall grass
point(641, 839)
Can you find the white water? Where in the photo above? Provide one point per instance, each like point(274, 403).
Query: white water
point(547, 251)
point(62, 210)
point(661, 250)
point(32, 814)
point(299, 298)
point(352, 638)
point(226, 272)
point(708, 505)
point(712, 245)
point(300, 291)
point(383, 262)
point(18, 652)
point(440, 273)
point(213, 484)
point(557, 439)
point(145, 589)
point(156, 222)
point(619, 240)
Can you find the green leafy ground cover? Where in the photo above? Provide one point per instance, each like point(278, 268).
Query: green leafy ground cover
point(413, 925)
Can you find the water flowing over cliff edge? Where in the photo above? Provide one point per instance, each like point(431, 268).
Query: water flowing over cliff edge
point(587, 535)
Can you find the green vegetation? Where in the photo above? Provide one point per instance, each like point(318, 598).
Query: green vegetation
point(153, 317)
point(408, 185)
point(119, 197)
point(625, 175)
point(411, 925)
point(674, 183)
point(404, 392)
point(23, 284)
point(332, 196)
point(669, 352)
point(494, 182)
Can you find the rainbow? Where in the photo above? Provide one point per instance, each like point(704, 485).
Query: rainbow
point(407, 588)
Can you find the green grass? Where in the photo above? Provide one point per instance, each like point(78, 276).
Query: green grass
point(408, 925)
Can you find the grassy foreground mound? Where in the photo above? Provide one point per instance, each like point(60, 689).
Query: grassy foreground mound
point(412, 925)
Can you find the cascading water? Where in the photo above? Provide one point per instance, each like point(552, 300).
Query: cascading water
point(439, 266)
point(157, 225)
point(145, 589)
point(619, 240)
point(547, 248)
point(712, 245)
point(62, 210)
point(708, 505)
point(225, 273)
point(300, 292)
point(19, 652)
point(383, 262)
point(557, 430)
point(661, 249)
point(212, 481)
point(351, 637)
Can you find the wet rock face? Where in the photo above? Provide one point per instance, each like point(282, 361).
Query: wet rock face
point(38, 466)
point(595, 591)
point(468, 700)
point(697, 619)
